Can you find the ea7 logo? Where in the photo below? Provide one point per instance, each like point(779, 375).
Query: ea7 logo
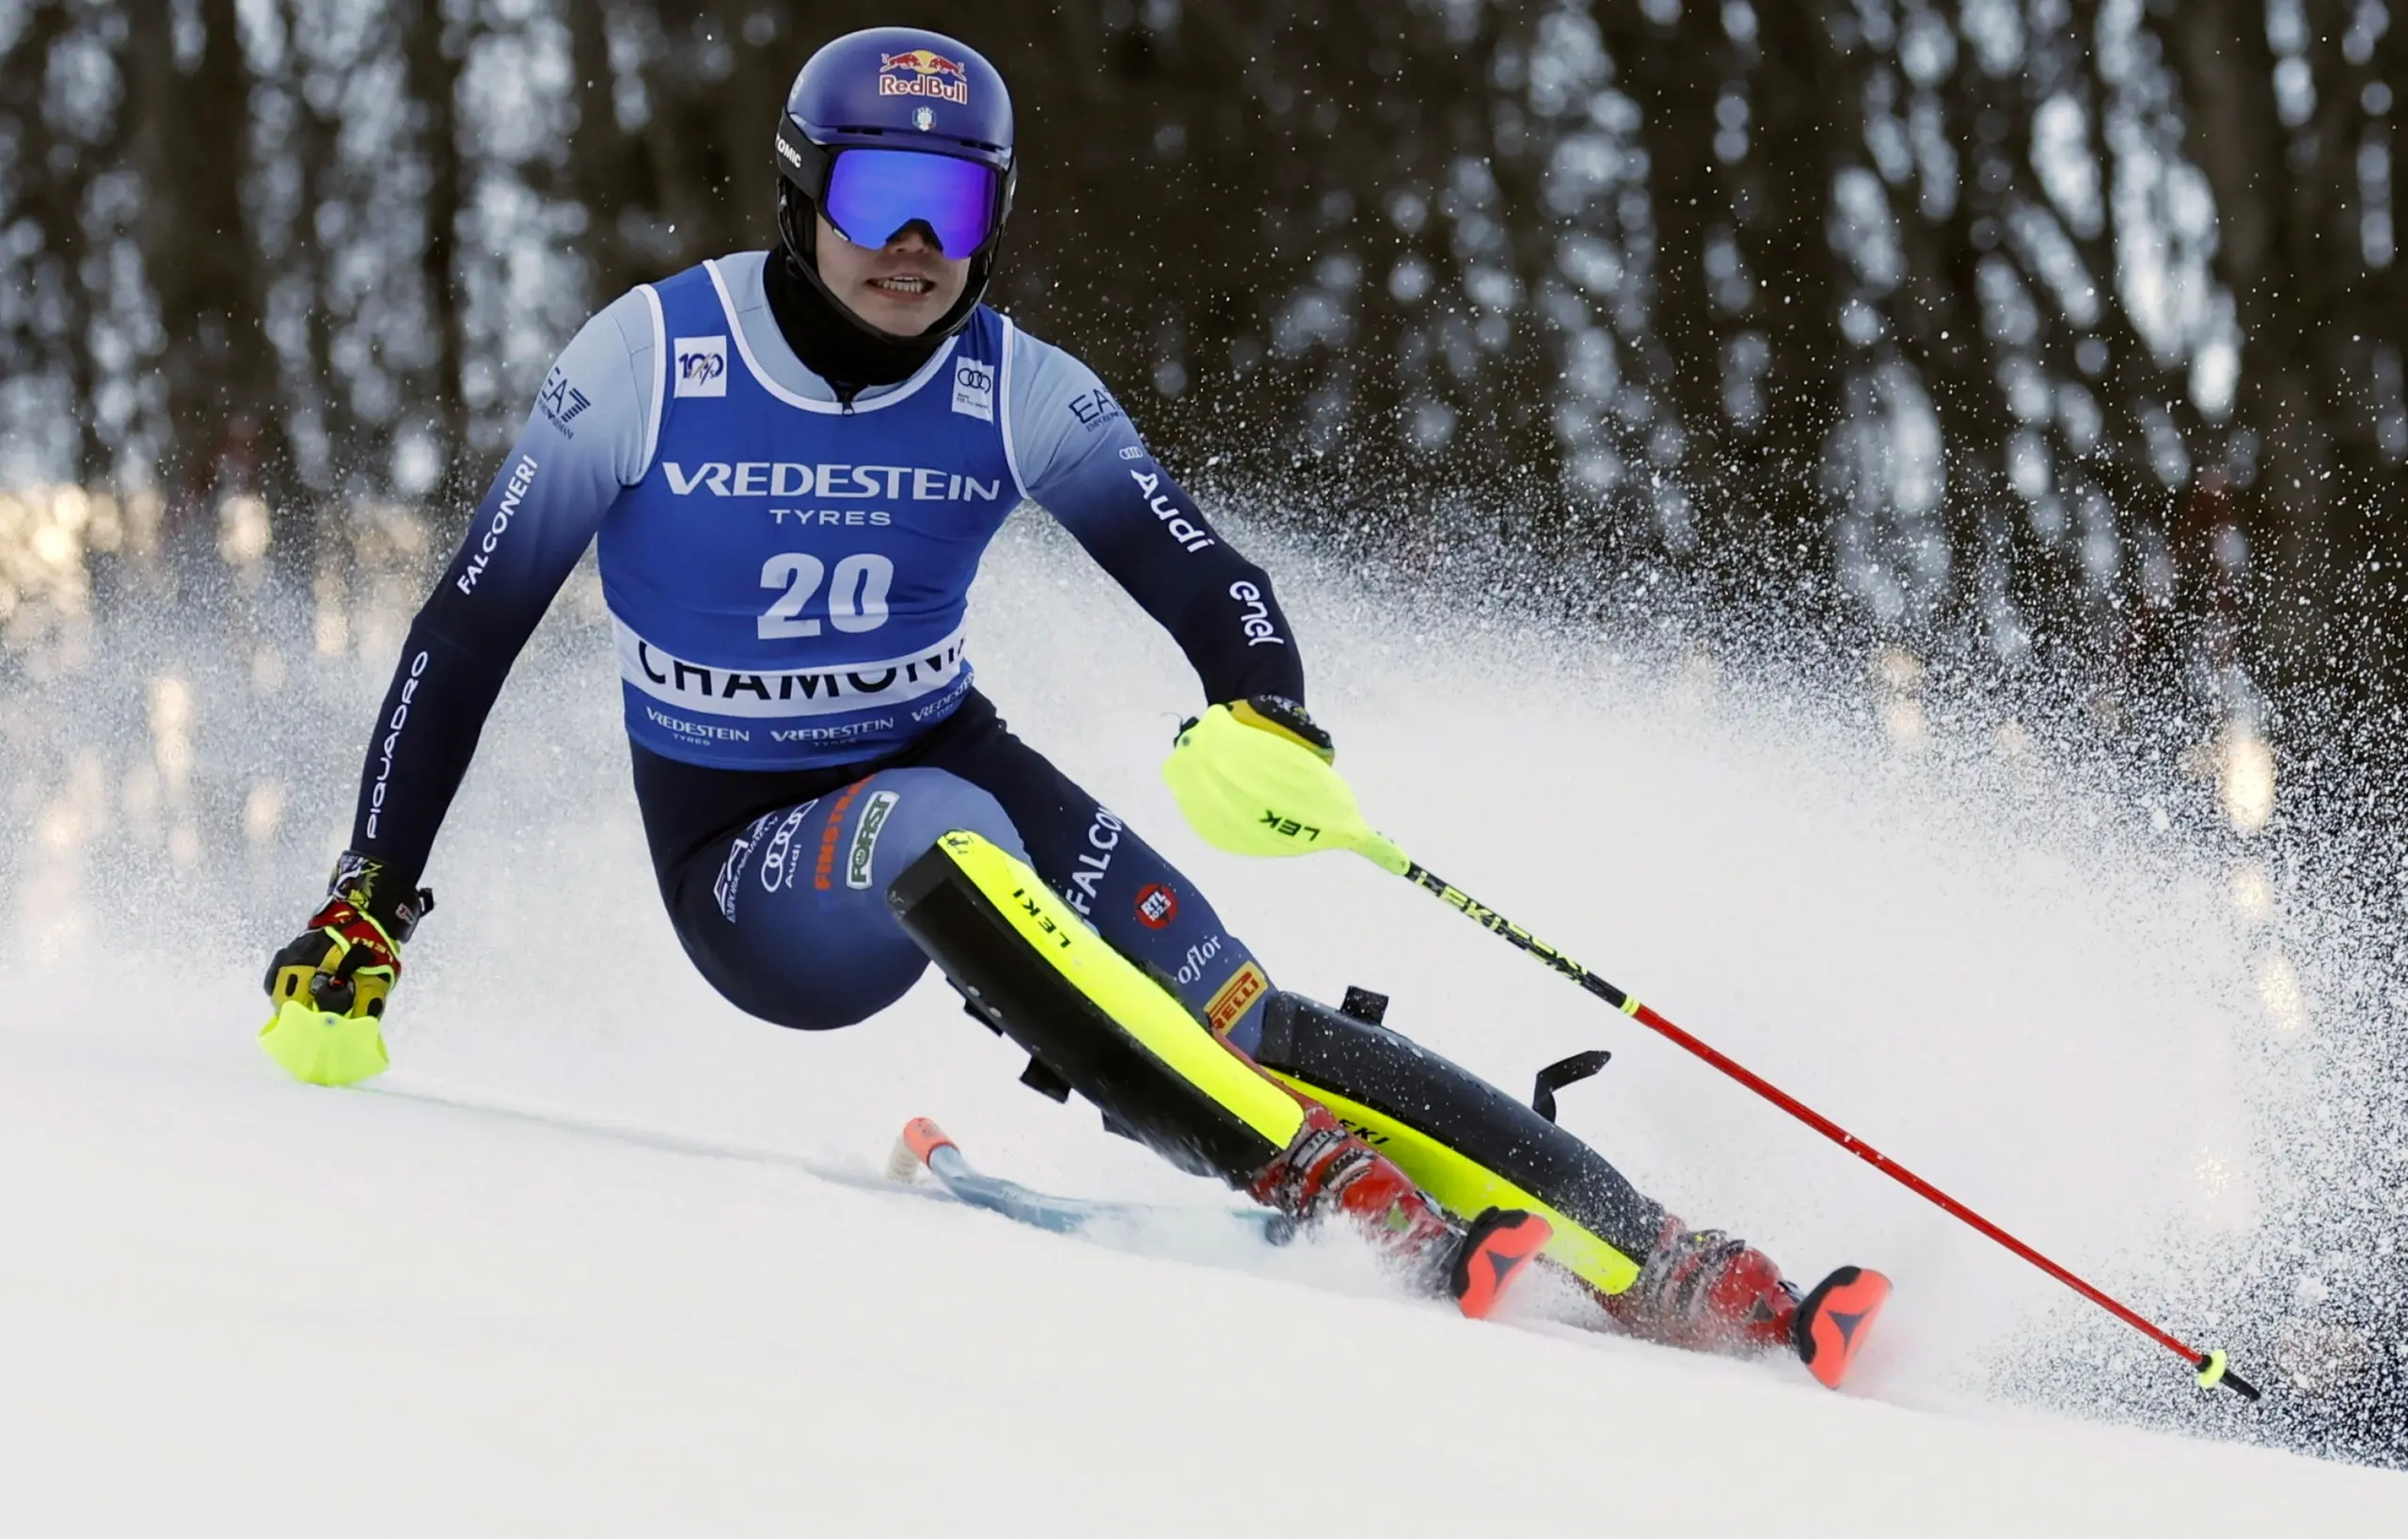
point(701, 365)
point(1095, 409)
point(562, 401)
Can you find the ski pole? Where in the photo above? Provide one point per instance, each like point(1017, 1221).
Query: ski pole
point(2211, 1365)
point(1289, 802)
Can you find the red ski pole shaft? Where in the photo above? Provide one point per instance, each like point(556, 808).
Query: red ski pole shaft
point(2211, 1365)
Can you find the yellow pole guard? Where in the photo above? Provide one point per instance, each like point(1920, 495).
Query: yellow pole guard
point(1142, 1007)
point(1464, 1187)
point(318, 1047)
point(2212, 1373)
point(1252, 791)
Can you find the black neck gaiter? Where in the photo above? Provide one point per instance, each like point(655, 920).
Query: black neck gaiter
point(830, 342)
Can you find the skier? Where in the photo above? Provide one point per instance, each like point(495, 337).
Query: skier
point(792, 461)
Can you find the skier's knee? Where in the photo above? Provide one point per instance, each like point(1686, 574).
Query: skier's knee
point(864, 963)
point(898, 814)
point(1092, 1020)
point(797, 931)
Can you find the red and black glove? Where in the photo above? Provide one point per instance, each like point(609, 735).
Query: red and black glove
point(349, 958)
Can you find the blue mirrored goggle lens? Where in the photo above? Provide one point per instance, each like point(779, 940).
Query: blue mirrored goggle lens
point(872, 194)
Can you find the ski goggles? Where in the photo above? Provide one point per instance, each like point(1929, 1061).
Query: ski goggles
point(871, 196)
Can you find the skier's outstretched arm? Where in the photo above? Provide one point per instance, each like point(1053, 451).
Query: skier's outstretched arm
point(1080, 457)
point(587, 437)
point(584, 440)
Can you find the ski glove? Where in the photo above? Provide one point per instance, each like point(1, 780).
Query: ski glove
point(330, 984)
point(1258, 778)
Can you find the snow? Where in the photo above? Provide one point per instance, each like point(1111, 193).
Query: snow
point(240, 1307)
point(601, 1255)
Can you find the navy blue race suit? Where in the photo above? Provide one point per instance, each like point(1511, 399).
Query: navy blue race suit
point(787, 575)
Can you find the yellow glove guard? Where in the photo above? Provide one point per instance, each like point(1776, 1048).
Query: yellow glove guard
point(320, 1048)
point(1256, 790)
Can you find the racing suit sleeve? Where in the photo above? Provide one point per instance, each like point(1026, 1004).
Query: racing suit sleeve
point(1081, 459)
point(587, 438)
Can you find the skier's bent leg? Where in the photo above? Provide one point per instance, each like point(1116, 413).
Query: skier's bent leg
point(1140, 903)
point(1095, 1023)
point(1465, 1142)
point(1151, 914)
point(786, 917)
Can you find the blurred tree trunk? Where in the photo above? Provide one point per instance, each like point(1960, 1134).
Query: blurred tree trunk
point(317, 164)
point(431, 79)
point(2273, 192)
point(1678, 74)
point(605, 174)
point(1806, 94)
point(1948, 332)
point(714, 98)
point(224, 401)
point(53, 174)
point(1362, 254)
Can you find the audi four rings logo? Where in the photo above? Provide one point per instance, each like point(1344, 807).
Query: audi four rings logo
point(974, 390)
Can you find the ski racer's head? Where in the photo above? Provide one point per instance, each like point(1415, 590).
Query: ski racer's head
point(895, 175)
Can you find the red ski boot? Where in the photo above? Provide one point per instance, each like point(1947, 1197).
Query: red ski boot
point(1707, 1292)
point(1328, 1169)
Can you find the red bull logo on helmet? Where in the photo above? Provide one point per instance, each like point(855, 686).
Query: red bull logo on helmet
point(924, 72)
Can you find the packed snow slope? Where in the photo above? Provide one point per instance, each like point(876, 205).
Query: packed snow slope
point(601, 1255)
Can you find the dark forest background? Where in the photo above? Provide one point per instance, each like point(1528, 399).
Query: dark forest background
point(2065, 332)
point(2043, 351)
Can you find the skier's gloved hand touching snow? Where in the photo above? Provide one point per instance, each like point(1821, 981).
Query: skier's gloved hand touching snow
point(330, 983)
point(1259, 777)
